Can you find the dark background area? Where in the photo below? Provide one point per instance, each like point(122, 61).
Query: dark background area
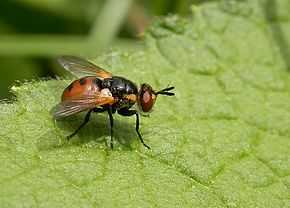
point(33, 32)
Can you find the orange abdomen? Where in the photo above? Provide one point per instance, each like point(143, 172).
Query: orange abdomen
point(81, 87)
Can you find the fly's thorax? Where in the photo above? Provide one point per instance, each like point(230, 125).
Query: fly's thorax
point(105, 92)
point(120, 86)
point(123, 90)
point(126, 101)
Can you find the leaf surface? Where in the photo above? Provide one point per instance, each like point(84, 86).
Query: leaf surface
point(222, 141)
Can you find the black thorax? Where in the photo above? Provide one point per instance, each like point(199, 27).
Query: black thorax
point(119, 86)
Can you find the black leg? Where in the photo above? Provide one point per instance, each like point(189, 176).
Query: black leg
point(137, 130)
point(87, 118)
point(111, 125)
point(127, 112)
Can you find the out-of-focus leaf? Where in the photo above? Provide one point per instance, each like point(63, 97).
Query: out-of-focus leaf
point(16, 69)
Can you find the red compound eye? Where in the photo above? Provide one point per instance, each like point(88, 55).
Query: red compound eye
point(147, 97)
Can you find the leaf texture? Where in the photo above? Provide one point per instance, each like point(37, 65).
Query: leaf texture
point(222, 141)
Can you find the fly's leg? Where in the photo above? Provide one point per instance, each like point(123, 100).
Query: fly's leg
point(111, 125)
point(127, 112)
point(87, 119)
point(137, 130)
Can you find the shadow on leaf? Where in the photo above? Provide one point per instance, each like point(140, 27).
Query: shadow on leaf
point(96, 132)
point(271, 15)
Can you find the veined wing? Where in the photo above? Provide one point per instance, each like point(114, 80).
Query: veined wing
point(83, 103)
point(81, 67)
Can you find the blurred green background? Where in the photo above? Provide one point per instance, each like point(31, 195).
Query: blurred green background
point(34, 32)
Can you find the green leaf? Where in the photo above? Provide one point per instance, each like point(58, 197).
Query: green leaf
point(223, 141)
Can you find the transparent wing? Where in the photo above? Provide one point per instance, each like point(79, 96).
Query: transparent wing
point(76, 105)
point(81, 67)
